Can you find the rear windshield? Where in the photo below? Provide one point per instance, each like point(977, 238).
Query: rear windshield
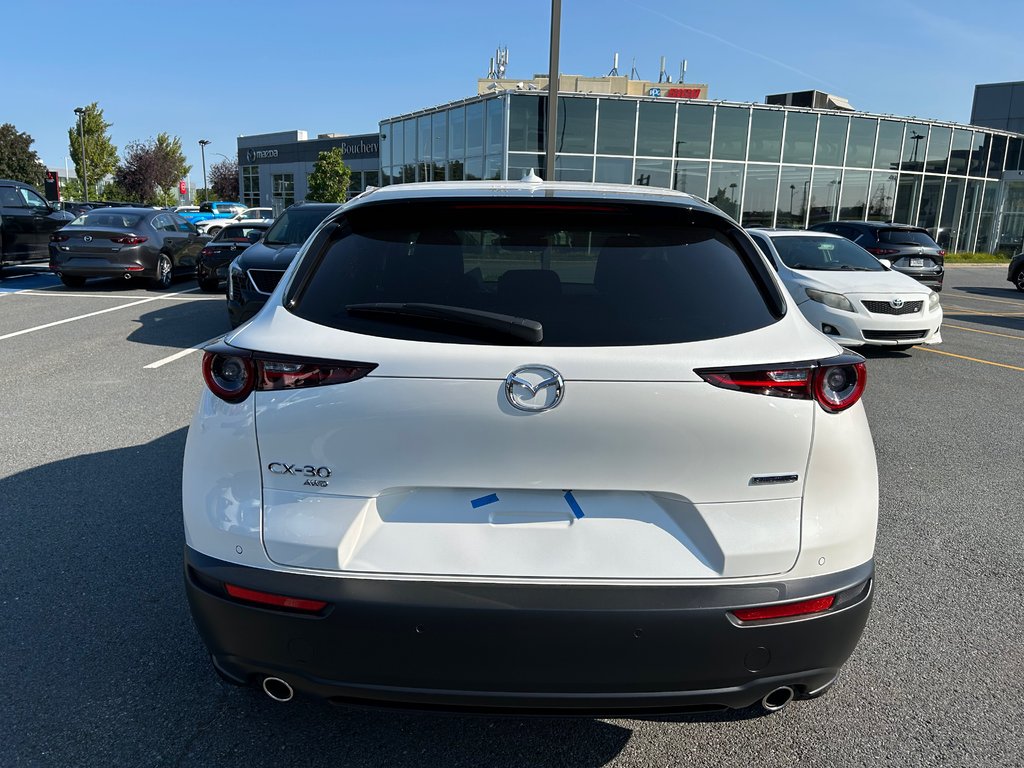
point(107, 218)
point(590, 275)
point(238, 233)
point(825, 254)
point(906, 237)
point(295, 225)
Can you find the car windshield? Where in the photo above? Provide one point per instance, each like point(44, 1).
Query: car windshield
point(571, 275)
point(237, 233)
point(105, 217)
point(295, 225)
point(906, 237)
point(828, 254)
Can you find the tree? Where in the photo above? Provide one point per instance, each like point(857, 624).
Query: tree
point(100, 152)
point(18, 160)
point(328, 183)
point(151, 168)
point(224, 180)
point(201, 195)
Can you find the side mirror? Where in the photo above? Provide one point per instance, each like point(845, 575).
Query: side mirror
point(885, 263)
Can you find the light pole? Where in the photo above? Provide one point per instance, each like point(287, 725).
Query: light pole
point(792, 191)
point(202, 149)
point(556, 22)
point(80, 111)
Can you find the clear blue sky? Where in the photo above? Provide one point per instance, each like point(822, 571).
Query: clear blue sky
point(217, 69)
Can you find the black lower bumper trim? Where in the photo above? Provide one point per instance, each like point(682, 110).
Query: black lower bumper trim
point(537, 649)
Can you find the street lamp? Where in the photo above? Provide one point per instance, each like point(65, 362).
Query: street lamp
point(549, 155)
point(80, 111)
point(202, 149)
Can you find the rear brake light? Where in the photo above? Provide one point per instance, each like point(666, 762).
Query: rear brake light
point(234, 375)
point(941, 252)
point(836, 383)
point(206, 252)
point(276, 601)
point(58, 238)
point(129, 239)
point(801, 608)
point(881, 251)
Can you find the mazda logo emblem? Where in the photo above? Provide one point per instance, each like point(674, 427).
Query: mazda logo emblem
point(88, 238)
point(534, 388)
point(896, 303)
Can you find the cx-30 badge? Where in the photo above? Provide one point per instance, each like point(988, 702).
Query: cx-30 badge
point(534, 388)
point(314, 475)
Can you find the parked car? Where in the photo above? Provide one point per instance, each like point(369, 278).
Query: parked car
point(848, 294)
point(212, 210)
point(180, 209)
point(213, 226)
point(131, 243)
point(228, 243)
point(253, 276)
point(26, 222)
point(910, 250)
point(565, 448)
point(1015, 274)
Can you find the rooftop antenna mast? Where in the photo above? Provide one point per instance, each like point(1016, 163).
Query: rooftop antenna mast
point(682, 71)
point(662, 75)
point(491, 74)
point(633, 74)
point(615, 67)
point(502, 57)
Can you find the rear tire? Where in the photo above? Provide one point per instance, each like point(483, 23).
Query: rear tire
point(1018, 280)
point(209, 285)
point(164, 273)
point(214, 230)
point(72, 281)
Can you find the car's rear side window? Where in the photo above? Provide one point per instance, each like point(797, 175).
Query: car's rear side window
point(592, 275)
point(906, 237)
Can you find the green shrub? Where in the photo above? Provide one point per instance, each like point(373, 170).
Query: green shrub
point(970, 257)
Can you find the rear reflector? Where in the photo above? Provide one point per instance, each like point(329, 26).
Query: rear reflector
point(275, 601)
point(802, 608)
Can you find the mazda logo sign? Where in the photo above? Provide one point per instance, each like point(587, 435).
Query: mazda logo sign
point(534, 388)
point(88, 238)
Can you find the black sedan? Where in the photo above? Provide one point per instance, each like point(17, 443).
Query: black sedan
point(253, 276)
point(228, 243)
point(131, 243)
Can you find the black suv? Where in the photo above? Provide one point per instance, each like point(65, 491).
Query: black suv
point(909, 249)
point(26, 222)
point(254, 274)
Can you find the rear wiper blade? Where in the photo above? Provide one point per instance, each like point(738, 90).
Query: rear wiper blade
point(468, 322)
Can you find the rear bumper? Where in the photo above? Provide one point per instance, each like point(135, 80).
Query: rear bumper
point(932, 277)
point(508, 648)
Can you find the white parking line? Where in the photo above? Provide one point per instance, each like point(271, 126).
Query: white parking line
point(182, 353)
point(62, 295)
point(90, 314)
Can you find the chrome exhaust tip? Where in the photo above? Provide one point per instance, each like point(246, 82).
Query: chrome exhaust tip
point(777, 699)
point(279, 690)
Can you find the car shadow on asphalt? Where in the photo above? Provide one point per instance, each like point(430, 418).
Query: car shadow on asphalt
point(109, 670)
point(181, 324)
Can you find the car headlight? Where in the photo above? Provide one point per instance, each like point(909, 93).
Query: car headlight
point(235, 273)
point(933, 301)
point(834, 300)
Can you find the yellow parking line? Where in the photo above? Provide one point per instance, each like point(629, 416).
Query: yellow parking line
point(987, 333)
point(972, 359)
point(982, 312)
point(971, 297)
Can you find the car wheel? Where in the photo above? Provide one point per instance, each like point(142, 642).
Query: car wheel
point(72, 281)
point(214, 230)
point(164, 273)
point(1018, 280)
point(209, 284)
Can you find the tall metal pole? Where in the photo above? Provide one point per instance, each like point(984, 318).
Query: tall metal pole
point(80, 111)
point(556, 21)
point(202, 149)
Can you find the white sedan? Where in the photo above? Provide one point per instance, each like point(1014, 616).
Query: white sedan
point(213, 226)
point(848, 294)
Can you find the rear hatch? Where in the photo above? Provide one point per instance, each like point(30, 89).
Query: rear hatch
point(911, 248)
point(96, 244)
point(462, 454)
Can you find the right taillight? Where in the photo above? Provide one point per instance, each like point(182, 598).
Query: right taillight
point(232, 374)
point(881, 251)
point(835, 383)
point(207, 252)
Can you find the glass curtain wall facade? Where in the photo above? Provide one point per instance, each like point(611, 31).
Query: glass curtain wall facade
point(765, 166)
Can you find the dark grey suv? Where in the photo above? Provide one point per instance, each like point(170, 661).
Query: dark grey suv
point(910, 250)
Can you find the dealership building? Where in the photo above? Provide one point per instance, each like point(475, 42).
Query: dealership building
point(798, 160)
point(274, 168)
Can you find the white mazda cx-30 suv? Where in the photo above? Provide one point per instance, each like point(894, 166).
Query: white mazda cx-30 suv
point(563, 448)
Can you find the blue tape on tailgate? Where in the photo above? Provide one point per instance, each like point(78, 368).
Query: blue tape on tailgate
point(483, 501)
point(573, 504)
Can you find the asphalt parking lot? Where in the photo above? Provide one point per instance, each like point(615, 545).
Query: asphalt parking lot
point(103, 666)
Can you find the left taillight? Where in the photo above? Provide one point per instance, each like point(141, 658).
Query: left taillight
point(58, 238)
point(836, 383)
point(233, 375)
